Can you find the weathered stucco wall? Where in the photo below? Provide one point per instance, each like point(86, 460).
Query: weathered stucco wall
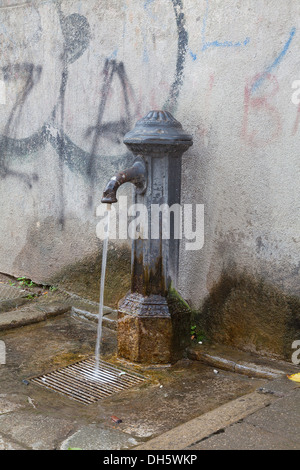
point(237, 100)
point(79, 74)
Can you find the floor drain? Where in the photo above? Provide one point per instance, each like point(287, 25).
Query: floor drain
point(81, 381)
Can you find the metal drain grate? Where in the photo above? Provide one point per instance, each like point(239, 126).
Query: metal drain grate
point(83, 383)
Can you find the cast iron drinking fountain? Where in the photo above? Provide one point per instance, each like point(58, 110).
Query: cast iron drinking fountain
point(153, 321)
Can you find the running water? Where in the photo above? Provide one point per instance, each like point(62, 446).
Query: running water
point(103, 271)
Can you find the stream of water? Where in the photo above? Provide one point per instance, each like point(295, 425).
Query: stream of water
point(101, 302)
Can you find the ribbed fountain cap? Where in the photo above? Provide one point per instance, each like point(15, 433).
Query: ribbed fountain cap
point(158, 128)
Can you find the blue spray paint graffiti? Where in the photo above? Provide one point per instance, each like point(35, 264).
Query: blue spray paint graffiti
point(193, 56)
point(206, 45)
point(147, 3)
point(147, 8)
point(274, 64)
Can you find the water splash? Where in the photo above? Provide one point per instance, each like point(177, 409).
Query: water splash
point(101, 302)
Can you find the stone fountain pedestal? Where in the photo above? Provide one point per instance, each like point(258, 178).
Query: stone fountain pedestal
point(153, 329)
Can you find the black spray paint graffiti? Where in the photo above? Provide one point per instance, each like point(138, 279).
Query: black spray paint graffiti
point(114, 130)
point(77, 35)
point(181, 54)
point(75, 29)
point(112, 68)
point(31, 75)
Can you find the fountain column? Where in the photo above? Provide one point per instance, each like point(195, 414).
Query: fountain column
point(153, 324)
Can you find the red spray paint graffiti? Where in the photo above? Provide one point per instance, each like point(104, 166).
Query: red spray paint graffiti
point(261, 104)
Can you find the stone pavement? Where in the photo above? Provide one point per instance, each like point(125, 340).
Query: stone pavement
point(268, 419)
point(275, 427)
point(213, 399)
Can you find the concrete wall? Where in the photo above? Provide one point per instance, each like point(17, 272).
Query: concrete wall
point(242, 60)
point(78, 74)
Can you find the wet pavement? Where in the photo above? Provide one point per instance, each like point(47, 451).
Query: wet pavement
point(32, 417)
point(214, 398)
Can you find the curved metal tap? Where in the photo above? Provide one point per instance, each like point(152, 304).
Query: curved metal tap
point(137, 175)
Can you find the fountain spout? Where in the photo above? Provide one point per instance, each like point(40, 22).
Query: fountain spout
point(136, 175)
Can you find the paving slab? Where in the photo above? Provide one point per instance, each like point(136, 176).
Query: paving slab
point(244, 436)
point(6, 444)
point(193, 431)
point(6, 405)
point(86, 307)
point(97, 437)
point(13, 294)
point(281, 417)
point(275, 427)
point(249, 364)
point(280, 387)
point(12, 304)
point(35, 431)
point(109, 320)
point(29, 314)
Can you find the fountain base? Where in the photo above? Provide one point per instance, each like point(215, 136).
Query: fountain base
point(152, 330)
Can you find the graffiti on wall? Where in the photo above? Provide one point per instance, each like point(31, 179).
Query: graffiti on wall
point(255, 102)
point(76, 37)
